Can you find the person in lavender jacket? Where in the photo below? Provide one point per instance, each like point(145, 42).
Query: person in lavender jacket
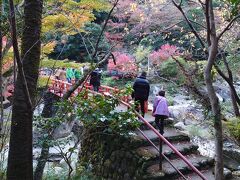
point(160, 110)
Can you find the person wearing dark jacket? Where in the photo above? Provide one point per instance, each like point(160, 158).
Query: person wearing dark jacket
point(95, 79)
point(141, 89)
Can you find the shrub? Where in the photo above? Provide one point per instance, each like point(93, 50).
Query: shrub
point(196, 130)
point(112, 82)
point(141, 54)
point(103, 114)
point(234, 127)
point(200, 72)
point(163, 54)
point(42, 81)
point(168, 69)
point(170, 100)
point(124, 64)
point(50, 63)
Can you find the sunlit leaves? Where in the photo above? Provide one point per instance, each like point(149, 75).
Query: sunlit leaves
point(142, 53)
point(48, 47)
point(235, 6)
point(69, 16)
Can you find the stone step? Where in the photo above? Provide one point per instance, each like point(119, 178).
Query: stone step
point(148, 117)
point(149, 153)
point(171, 134)
point(207, 173)
point(168, 172)
point(167, 123)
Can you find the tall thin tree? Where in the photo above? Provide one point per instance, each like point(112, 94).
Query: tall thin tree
point(211, 43)
point(20, 150)
point(1, 64)
point(213, 50)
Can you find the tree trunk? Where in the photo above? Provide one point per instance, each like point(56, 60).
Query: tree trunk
point(234, 103)
point(42, 161)
point(1, 64)
point(213, 50)
point(48, 112)
point(20, 149)
point(7, 47)
point(216, 112)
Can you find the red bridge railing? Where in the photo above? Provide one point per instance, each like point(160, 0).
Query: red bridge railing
point(59, 87)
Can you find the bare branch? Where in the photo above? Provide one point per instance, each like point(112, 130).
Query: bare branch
point(46, 85)
point(198, 24)
point(180, 4)
point(191, 85)
point(84, 42)
point(202, 3)
point(1, 65)
point(221, 73)
point(207, 18)
point(104, 26)
point(179, 7)
point(227, 66)
point(17, 54)
point(230, 83)
point(164, 30)
point(228, 26)
point(165, 79)
point(83, 79)
point(29, 50)
point(170, 27)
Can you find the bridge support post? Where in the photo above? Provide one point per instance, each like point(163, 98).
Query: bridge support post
point(161, 127)
point(160, 154)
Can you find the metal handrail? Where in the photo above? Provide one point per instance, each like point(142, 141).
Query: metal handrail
point(156, 132)
point(165, 157)
point(168, 143)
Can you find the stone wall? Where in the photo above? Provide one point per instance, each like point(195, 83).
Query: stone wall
point(111, 156)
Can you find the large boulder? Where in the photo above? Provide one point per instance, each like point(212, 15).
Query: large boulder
point(63, 130)
point(231, 157)
point(185, 110)
point(180, 126)
point(223, 91)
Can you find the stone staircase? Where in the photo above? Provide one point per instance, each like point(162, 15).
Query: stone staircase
point(182, 143)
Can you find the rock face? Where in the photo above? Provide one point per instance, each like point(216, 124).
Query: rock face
point(64, 129)
point(186, 110)
point(222, 90)
point(183, 108)
point(115, 157)
point(111, 156)
point(56, 164)
point(232, 158)
point(180, 126)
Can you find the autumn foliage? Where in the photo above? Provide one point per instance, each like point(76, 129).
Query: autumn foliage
point(125, 64)
point(163, 54)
